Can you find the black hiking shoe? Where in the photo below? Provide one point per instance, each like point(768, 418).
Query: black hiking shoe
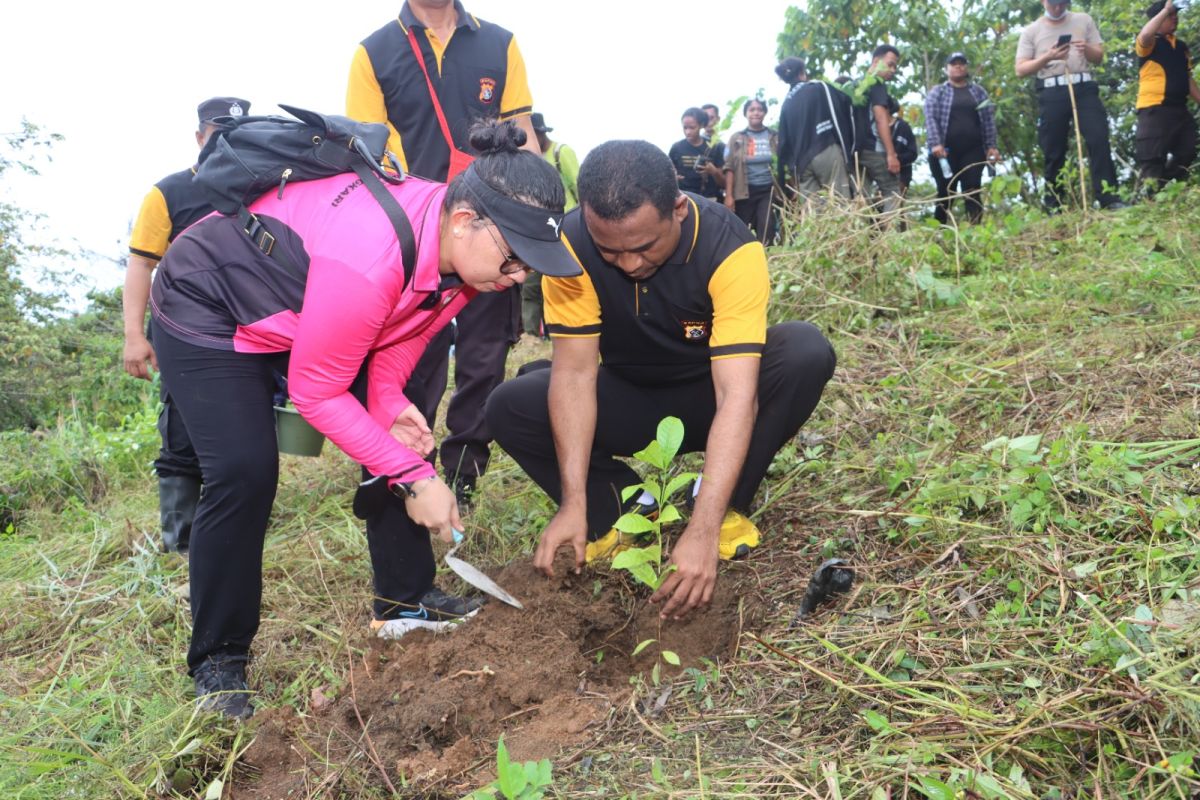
point(221, 686)
point(436, 611)
point(464, 491)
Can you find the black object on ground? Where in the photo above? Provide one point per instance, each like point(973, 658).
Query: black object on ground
point(832, 577)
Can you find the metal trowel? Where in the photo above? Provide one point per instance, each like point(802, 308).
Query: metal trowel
point(475, 577)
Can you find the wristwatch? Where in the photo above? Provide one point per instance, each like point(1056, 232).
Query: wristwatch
point(404, 489)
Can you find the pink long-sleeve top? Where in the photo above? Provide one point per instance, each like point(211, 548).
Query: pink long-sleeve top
point(332, 293)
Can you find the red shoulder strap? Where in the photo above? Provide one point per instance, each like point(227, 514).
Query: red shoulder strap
point(437, 106)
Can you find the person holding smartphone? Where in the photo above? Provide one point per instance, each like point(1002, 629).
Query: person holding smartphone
point(1058, 50)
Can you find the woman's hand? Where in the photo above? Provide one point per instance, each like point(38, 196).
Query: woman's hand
point(434, 508)
point(412, 431)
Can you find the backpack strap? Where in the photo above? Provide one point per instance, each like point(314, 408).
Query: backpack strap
point(557, 163)
point(264, 240)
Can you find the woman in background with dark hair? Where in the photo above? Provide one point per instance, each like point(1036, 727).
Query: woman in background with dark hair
point(347, 333)
point(697, 163)
point(749, 184)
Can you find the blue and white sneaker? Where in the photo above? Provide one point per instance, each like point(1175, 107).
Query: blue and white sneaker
point(436, 611)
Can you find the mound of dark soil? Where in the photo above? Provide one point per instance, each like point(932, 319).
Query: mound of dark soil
point(428, 709)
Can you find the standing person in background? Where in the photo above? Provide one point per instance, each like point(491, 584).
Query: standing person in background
point(960, 127)
point(816, 134)
point(566, 163)
point(171, 206)
point(697, 164)
point(1166, 130)
point(430, 75)
point(711, 135)
point(1058, 49)
point(878, 162)
point(905, 142)
point(749, 184)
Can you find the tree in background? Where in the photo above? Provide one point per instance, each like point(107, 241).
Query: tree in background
point(841, 36)
point(51, 362)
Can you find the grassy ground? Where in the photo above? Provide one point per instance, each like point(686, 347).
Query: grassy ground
point(1008, 455)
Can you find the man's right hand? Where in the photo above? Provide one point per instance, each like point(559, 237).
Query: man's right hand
point(893, 163)
point(138, 351)
point(567, 528)
point(939, 151)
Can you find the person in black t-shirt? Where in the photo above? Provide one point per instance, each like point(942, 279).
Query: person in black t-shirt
point(697, 163)
point(960, 131)
point(875, 152)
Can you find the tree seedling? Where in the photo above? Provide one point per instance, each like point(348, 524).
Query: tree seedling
point(515, 780)
point(645, 563)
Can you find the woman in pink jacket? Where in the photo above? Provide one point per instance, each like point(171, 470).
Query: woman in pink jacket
point(347, 331)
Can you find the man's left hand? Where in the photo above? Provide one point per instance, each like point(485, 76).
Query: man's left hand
point(893, 164)
point(690, 585)
point(993, 155)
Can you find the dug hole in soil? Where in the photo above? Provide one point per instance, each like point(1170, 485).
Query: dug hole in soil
point(550, 678)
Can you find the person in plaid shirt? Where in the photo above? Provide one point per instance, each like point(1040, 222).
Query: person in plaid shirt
point(960, 127)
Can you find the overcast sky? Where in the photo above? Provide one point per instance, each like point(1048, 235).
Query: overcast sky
point(121, 81)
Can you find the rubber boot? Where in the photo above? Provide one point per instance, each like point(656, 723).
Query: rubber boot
point(177, 499)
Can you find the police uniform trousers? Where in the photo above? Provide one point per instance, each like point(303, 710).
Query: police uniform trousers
point(1055, 120)
point(797, 362)
point(485, 329)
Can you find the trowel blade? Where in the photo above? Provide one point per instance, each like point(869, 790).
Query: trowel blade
point(480, 581)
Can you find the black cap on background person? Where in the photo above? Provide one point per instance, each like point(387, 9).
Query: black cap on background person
point(539, 123)
point(216, 107)
point(958, 57)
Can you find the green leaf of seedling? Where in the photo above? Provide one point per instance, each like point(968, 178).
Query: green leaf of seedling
point(670, 657)
point(630, 491)
point(669, 438)
point(633, 523)
point(652, 454)
point(510, 777)
point(545, 772)
point(655, 673)
point(677, 483)
point(662, 577)
point(642, 645)
point(668, 514)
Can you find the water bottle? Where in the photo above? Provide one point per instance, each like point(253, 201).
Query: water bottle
point(944, 163)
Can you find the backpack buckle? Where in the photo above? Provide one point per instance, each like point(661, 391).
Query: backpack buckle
point(265, 241)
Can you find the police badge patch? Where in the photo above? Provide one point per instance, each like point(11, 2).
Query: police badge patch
point(694, 331)
point(487, 89)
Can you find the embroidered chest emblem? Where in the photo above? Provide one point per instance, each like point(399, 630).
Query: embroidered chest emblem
point(694, 330)
point(487, 90)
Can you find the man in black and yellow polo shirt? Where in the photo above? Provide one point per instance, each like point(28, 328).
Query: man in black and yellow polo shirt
point(668, 318)
point(1166, 131)
point(477, 72)
point(171, 206)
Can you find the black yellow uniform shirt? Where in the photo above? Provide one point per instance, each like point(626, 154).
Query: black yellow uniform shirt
point(169, 208)
point(708, 301)
point(1163, 72)
point(478, 73)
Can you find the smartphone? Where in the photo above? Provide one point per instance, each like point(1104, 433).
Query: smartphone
point(1062, 40)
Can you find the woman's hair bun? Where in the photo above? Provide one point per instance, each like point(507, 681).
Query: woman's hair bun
point(492, 136)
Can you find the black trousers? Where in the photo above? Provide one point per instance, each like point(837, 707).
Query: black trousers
point(1055, 121)
point(966, 165)
point(757, 212)
point(1164, 131)
point(176, 456)
point(225, 399)
point(486, 328)
point(796, 364)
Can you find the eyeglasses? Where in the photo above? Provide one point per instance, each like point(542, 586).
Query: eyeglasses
point(511, 264)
